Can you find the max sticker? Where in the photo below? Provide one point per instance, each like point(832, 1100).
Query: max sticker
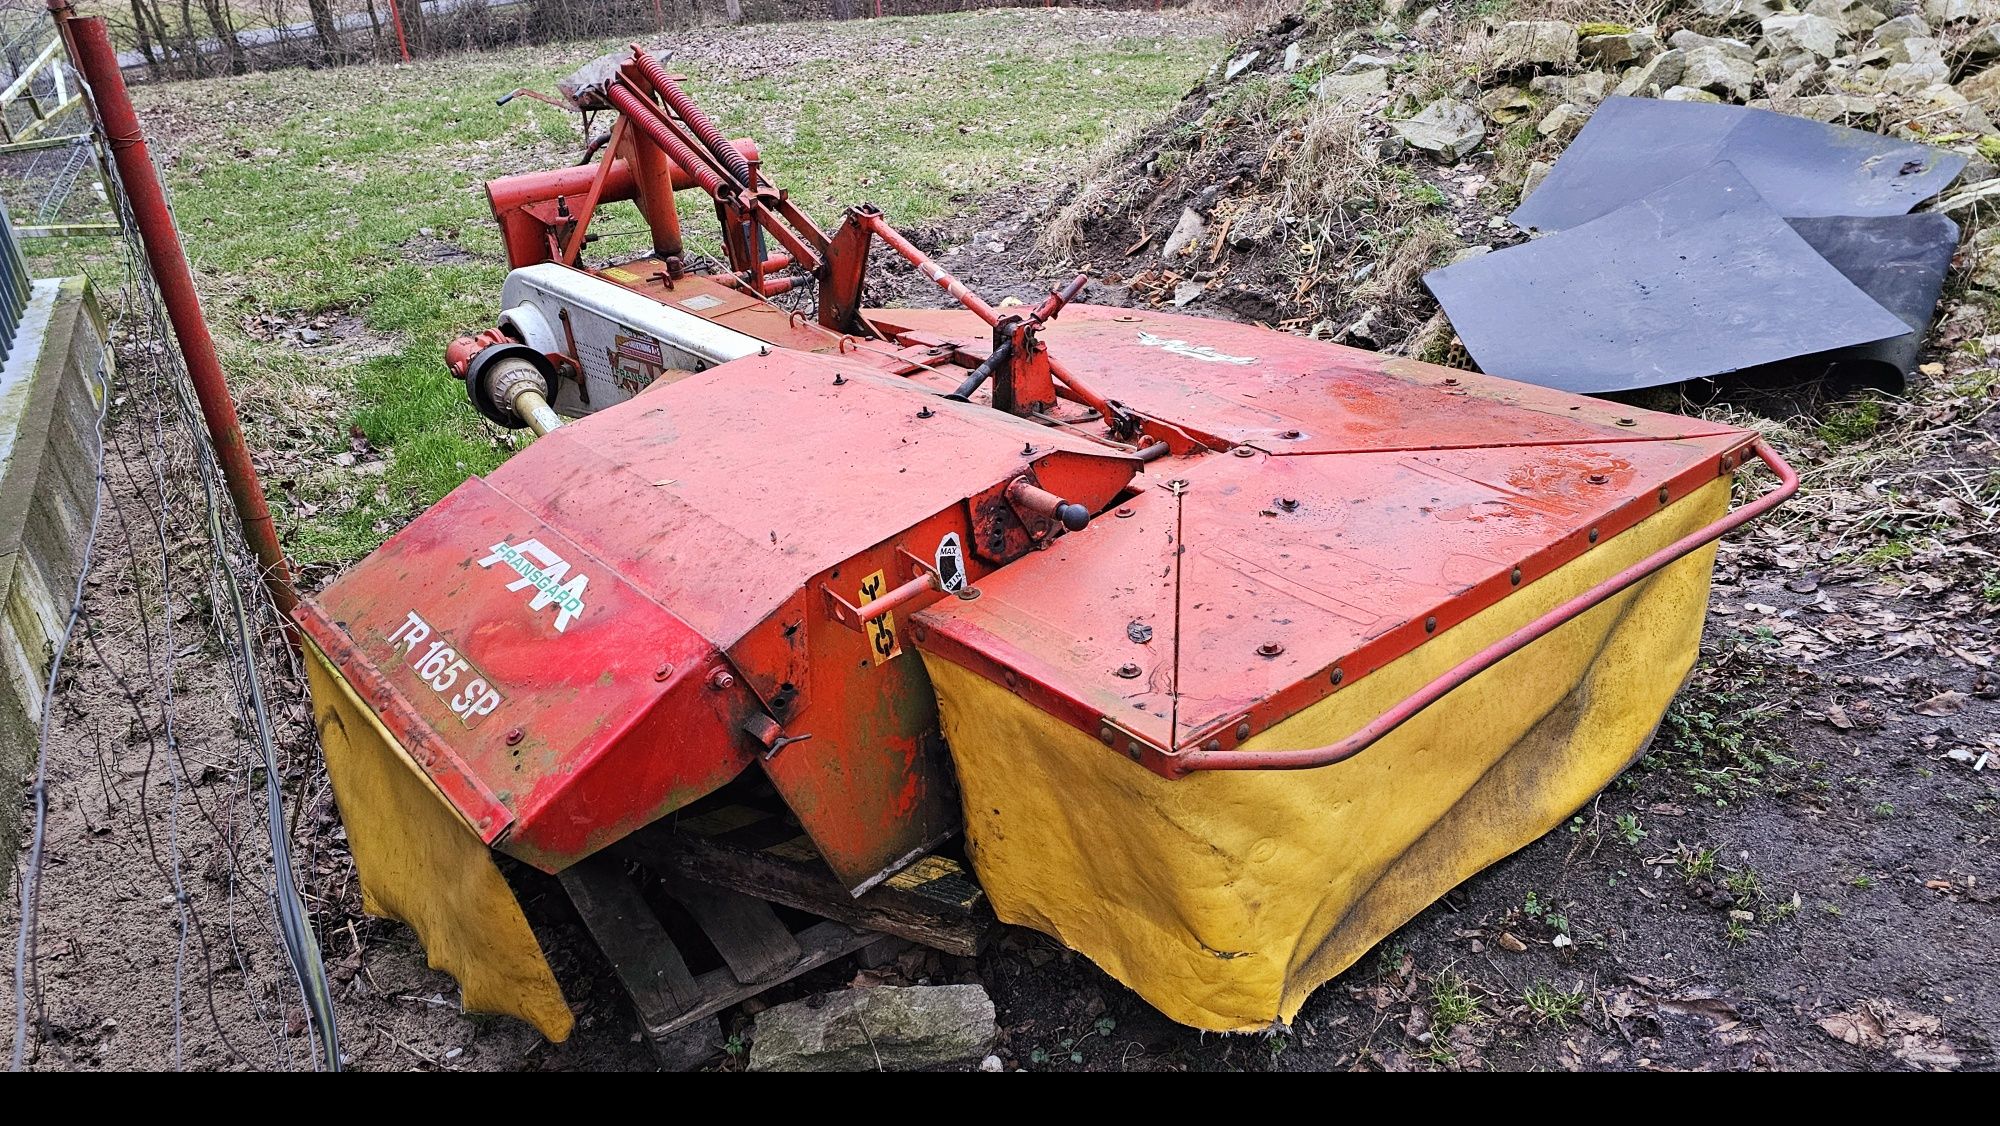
point(636, 361)
point(883, 644)
point(950, 563)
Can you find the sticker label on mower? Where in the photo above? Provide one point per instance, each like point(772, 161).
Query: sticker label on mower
point(881, 632)
point(546, 573)
point(1200, 352)
point(636, 362)
point(451, 676)
point(950, 563)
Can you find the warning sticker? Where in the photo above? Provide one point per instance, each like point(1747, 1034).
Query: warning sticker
point(636, 361)
point(701, 301)
point(883, 644)
point(950, 563)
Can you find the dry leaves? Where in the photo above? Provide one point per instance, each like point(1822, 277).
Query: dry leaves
point(1913, 1037)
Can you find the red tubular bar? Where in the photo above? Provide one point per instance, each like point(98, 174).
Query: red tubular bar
point(98, 61)
point(703, 126)
point(930, 269)
point(1310, 757)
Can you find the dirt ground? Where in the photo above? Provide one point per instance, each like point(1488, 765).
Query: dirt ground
point(1800, 874)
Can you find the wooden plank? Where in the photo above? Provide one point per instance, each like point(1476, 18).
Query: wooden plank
point(818, 944)
point(69, 230)
point(648, 963)
point(745, 931)
point(939, 907)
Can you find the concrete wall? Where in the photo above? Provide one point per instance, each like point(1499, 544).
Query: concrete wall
point(51, 388)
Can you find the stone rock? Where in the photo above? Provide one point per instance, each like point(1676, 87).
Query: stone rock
point(1253, 226)
point(1686, 40)
point(1983, 89)
point(1958, 112)
point(1293, 57)
point(1240, 64)
point(1506, 104)
point(1364, 332)
point(1467, 254)
point(1538, 170)
point(1843, 109)
point(1899, 29)
point(1984, 44)
point(1187, 292)
point(894, 1028)
point(1942, 12)
point(1586, 89)
point(992, 1064)
point(1663, 71)
point(1687, 94)
point(1963, 200)
point(1617, 50)
point(1709, 68)
point(1189, 231)
point(1361, 62)
point(1424, 19)
point(1856, 17)
point(1914, 49)
point(1534, 45)
point(1813, 35)
point(1351, 87)
point(1561, 121)
point(1904, 78)
point(1447, 128)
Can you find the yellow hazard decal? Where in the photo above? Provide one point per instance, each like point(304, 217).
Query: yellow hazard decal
point(620, 273)
point(883, 644)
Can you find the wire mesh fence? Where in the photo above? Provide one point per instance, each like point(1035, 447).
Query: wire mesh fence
point(177, 809)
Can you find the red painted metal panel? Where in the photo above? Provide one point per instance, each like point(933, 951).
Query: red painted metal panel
point(555, 705)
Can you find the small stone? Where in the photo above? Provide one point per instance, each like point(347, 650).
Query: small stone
point(1899, 29)
point(1187, 292)
point(1240, 64)
point(1538, 170)
point(1942, 12)
point(1914, 49)
point(1448, 128)
point(1293, 56)
point(1363, 332)
point(1735, 48)
point(1506, 104)
point(1856, 17)
point(1186, 233)
point(1845, 109)
point(1813, 35)
point(1617, 50)
point(1961, 113)
point(1586, 89)
point(1711, 68)
point(1561, 121)
point(1352, 87)
point(1983, 89)
point(308, 336)
point(1664, 70)
point(1534, 45)
point(1424, 19)
point(1687, 94)
point(1467, 254)
point(992, 1064)
point(1984, 44)
point(1362, 61)
point(1904, 78)
point(891, 1028)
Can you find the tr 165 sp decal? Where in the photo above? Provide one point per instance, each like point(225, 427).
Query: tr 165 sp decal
point(1201, 352)
point(439, 665)
point(546, 573)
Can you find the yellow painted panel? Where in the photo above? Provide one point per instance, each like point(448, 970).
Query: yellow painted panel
point(422, 864)
point(1226, 898)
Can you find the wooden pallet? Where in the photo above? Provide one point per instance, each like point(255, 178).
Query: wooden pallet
point(727, 867)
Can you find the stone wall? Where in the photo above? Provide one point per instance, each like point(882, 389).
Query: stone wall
point(51, 389)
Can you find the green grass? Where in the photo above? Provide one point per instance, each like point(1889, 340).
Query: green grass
point(306, 192)
point(1552, 1004)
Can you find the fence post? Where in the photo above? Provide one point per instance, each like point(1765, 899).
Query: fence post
point(396, 19)
point(97, 60)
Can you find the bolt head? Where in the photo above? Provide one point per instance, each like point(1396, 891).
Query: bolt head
point(1290, 435)
point(1430, 624)
point(1124, 513)
point(721, 680)
point(1245, 451)
point(1628, 422)
point(664, 671)
point(1270, 649)
point(1598, 478)
point(515, 736)
point(1243, 731)
point(1128, 670)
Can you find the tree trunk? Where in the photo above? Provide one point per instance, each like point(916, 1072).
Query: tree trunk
point(843, 9)
point(218, 22)
point(734, 10)
point(323, 26)
point(197, 63)
point(145, 38)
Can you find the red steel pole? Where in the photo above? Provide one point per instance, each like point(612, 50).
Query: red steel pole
point(97, 61)
point(396, 18)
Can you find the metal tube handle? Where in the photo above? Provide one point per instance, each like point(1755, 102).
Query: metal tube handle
point(1310, 757)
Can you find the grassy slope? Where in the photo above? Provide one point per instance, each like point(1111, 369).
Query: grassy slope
point(304, 192)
